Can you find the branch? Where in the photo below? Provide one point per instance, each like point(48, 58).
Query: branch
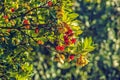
point(24, 14)
point(35, 40)
point(23, 28)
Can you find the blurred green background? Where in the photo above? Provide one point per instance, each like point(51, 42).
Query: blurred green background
point(101, 20)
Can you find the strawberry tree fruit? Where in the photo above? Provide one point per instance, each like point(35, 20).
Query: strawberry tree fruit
point(8, 30)
point(60, 48)
point(57, 32)
point(6, 20)
point(5, 17)
point(49, 3)
point(36, 30)
point(3, 39)
point(40, 42)
point(25, 22)
point(82, 61)
point(12, 10)
point(73, 40)
point(69, 32)
point(27, 27)
point(71, 57)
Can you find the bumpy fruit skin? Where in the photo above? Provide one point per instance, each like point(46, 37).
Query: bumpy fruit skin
point(37, 30)
point(69, 32)
point(40, 42)
point(67, 42)
point(60, 48)
point(73, 40)
point(25, 22)
point(6, 18)
point(12, 10)
point(71, 57)
point(65, 37)
point(82, 61)
point(27, 27)
point(49, 3)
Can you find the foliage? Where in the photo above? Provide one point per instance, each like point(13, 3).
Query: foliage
point(102, 22)
point(48, 27)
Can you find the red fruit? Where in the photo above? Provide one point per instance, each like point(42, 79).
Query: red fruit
point(73, 40)
point(57, 48)
point(5, 17)
point(69, 32)
point(71, 57)
point(49, 3)
point(67, 42)
point(26, 22)
point(12, 10)
point(36, 30)
point(65, 37)
point(60, 48)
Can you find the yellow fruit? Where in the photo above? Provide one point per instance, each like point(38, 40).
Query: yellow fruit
point(3, 39)
point(62, 57)
point(82, 61)
point(6, 20)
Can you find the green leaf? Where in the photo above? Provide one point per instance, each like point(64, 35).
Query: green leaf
point(88, 45)
point(73, 16)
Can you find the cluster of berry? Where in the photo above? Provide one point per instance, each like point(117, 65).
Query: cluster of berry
point(68, 39)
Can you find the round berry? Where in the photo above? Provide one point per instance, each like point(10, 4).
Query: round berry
point(5, 17)
point(12, 10)
point(26, 22)
point(36, 30)
point(60, 48)
point(27, 26)
point(49, 3)
point(73, 40)
point(71, 57)
point(40, 42)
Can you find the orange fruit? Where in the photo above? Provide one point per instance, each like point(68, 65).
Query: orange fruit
point(6, 20)
point(27, 26)
point(40, 42)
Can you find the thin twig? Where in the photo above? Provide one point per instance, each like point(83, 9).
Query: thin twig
point(28, 36)
point(23, 28)
point(24, 14)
